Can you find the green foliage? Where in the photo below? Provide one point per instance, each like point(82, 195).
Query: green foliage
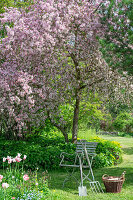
point(23, 3)
point(66, 114)
point(45, 153)
point(118, 107)
point(91, 112)
point(124, 122)
point(89, 116)
point(106, 125)
point(117, 46)
point(108, 153)
point(13, 3)
point(45, 130)
point(41, 152)
point(6, 3)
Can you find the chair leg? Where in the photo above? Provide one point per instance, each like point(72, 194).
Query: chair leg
point(89, 163)
point(81, 171)
point(69, 177)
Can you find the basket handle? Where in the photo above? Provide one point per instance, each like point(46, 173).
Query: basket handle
point(105, 176)
point(123, 175)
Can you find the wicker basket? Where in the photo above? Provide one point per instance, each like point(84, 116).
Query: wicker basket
point(113, 184)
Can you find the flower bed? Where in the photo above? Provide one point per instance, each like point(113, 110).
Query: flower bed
point(17, 184)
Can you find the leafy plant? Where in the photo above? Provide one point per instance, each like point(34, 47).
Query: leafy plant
point(44, 153)
point(124, 122)
point(108, 152)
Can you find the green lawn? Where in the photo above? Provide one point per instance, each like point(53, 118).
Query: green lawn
point(70, 191)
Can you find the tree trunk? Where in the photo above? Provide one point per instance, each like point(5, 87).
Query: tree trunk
point(75, 119)
point(59, 128)
point(65, 135)
point(63, 132)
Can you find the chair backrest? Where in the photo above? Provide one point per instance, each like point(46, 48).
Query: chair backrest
point(90, 147)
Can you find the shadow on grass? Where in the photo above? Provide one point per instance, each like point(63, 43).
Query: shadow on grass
point(56, 178)
point(128, 151)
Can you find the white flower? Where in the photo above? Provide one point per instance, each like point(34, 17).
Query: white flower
point(5, 185)
point(19, 154)
point(8, 158)
point(24, 157)
point(13, 160)
point(4, 159)
point(10, 161)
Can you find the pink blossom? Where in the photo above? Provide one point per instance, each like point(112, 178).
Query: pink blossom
point(43, 58)
point(13, 160)
point(24, 157)
point(1, 177)
point(5, 185)
point(19, 154)
point(18, 159)
point(9, 161)
point(8, 158)
point(26, 177)
point(4, 159)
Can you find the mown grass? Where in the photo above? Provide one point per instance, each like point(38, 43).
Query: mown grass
point(70, 191)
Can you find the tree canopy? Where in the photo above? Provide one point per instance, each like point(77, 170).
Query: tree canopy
point(117, 45)
point(50, 57)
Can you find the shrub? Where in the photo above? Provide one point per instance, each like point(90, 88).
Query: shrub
point(124, 122)
point(41, 152)
point(108, 153)
point(45, 152)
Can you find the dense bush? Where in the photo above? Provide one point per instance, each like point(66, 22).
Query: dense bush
point(41, 152)
point(108, 153)
point(45, 152)
point(124, 122)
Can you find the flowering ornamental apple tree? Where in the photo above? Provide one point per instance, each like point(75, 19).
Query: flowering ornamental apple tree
point(50, 56)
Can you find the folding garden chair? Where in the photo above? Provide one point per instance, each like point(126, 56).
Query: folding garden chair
point(85, 152)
